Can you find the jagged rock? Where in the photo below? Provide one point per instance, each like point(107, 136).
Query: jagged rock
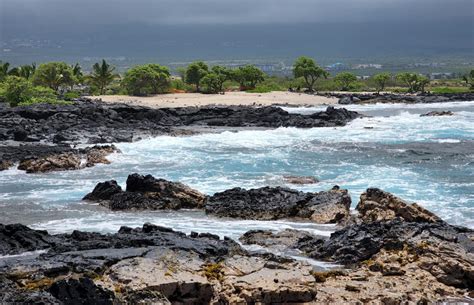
point(81, 291)
point(276, 202)
point(377, 205)
point(17, 238)
point(300, 179)
point(147, 193)
point(65, 161)
point(104, 191)
point(69, 160)
point(5, 164)
point(438, 113)
point(446, 251)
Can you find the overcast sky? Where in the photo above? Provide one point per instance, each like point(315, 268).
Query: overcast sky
point(231, 11)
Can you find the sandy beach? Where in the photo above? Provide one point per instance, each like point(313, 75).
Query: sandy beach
point(230, 98)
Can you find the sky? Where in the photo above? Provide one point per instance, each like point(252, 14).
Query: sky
point(231, 11)
point(175, 30)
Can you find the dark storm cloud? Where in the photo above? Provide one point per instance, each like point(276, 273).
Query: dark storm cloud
point(232, 11)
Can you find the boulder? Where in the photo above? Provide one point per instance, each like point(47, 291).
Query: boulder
point(268, 203)
point(377, 205)
point(103, 191)
point(147, 193)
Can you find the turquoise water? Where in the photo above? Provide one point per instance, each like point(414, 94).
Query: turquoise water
point(429, 160)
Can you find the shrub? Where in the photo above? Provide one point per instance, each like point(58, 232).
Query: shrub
point(248, 76)
point(19, 91)
point(147, 79)
point(345, 80)
point(195, 73)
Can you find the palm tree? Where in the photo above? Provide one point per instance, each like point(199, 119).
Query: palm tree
point(102, 75)
point(25, 71)
point(4, 69)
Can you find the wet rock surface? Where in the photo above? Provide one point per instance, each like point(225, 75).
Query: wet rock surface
point(146, 193)
point(269, 203)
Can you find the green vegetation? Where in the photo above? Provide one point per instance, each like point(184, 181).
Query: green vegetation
point(194, 74)
point(102, 76)
point(307, 68)
point(147, 79)
point(345, 80)
point(248, 77)
point(414, 82)
point(215, 79)
point(55, 82)
point(469, 79)
point(54, 75)
point(18, 91)
point(381, 81)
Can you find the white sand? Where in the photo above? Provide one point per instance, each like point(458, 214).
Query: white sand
point(229, 98)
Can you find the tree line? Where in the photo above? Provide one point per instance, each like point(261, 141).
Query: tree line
point(44, 83)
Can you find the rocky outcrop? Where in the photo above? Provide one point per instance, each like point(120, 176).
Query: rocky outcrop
point(355, 98)
point(88, 121)
point(438, 113)
point(377, 205)
point(151, 263)
point(70, 160)
point(269, 203)
point(447, 252)
point(147, 193)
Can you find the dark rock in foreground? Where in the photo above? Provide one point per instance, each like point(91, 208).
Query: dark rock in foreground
point(152, 264)
point(146, 193)
point(270, 203)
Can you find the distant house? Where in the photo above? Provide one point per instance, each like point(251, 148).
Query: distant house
point(444, 75)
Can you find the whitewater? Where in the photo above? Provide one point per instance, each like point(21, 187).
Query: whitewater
point(428, 160)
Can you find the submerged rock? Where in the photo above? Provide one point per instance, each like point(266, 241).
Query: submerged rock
point(438, 113)
point(147, 193)
point(377, 205)
point(269, 203)
point(300, 179)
